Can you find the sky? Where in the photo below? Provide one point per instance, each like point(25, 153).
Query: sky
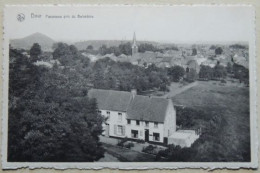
point(185, 24)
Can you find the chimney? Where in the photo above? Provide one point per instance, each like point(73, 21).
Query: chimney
point(133, 92)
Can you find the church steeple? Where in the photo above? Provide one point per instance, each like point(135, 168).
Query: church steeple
point(134, 46)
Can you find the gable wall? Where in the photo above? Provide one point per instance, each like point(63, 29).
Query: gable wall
point(170, 120)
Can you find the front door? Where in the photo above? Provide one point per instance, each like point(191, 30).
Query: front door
point(146, 133)
point(165, 140)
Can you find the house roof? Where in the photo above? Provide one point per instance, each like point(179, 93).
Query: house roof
point(138, 107)
point(147, 109)
point(111, 100)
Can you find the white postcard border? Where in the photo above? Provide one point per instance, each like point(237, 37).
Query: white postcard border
point(133, 165)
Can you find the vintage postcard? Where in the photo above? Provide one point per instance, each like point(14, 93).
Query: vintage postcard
point(149, 86)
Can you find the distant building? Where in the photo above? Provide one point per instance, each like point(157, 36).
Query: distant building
point(134, 46)
point(151, 119)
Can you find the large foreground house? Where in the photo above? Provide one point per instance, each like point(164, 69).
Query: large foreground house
point(151, 119)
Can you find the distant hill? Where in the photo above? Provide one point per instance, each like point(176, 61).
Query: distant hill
point(98, 43)
point(27, 42)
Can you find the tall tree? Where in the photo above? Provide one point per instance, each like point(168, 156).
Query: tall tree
point(219, 71)
point(194, 52)
point(206, 72)
point(176, 73)
point(147, 47)
point(66, 54)
point(125, 48)
point(218, 51)
point(90, 47)
point(35, 52)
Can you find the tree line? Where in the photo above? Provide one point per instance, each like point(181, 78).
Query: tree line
point(125, 48)
point(220, 72)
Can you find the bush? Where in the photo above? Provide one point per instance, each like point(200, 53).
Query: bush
point(176, 153)
point(130, 145)
point(150, 149)
point(223, 81)
point(189, 117)
point(121, 143)
point(140, 141)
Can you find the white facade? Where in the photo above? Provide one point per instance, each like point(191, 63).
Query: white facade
point(118, 125)
point(144, 127)
point(115, 124)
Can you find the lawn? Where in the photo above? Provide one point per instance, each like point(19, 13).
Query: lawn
point(232, 140)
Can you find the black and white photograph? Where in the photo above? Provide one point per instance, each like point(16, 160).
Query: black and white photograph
point(150, 86)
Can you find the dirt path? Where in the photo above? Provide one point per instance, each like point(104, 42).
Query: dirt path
point(176, 89)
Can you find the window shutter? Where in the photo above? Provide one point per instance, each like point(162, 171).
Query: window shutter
point(115, 129)
point(123, 130)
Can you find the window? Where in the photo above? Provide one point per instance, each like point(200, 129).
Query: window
point(146, 124)
point(99, 111)
point(137, 122)
point(134, 133)
point(120, 117)
point(155, 125)
point(108, 113)
point(120, 130)
point(156, 136)
point(128, 121)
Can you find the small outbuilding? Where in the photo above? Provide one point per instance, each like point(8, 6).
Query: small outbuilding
point(183, 138)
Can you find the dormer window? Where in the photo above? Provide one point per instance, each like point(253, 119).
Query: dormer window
point(155, 125)
point(146, 124)
point(108, 113)
point(137, 122)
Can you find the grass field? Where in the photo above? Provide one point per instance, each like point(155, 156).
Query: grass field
point(232, 140)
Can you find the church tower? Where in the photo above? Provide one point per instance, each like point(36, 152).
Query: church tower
point(134, 46)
